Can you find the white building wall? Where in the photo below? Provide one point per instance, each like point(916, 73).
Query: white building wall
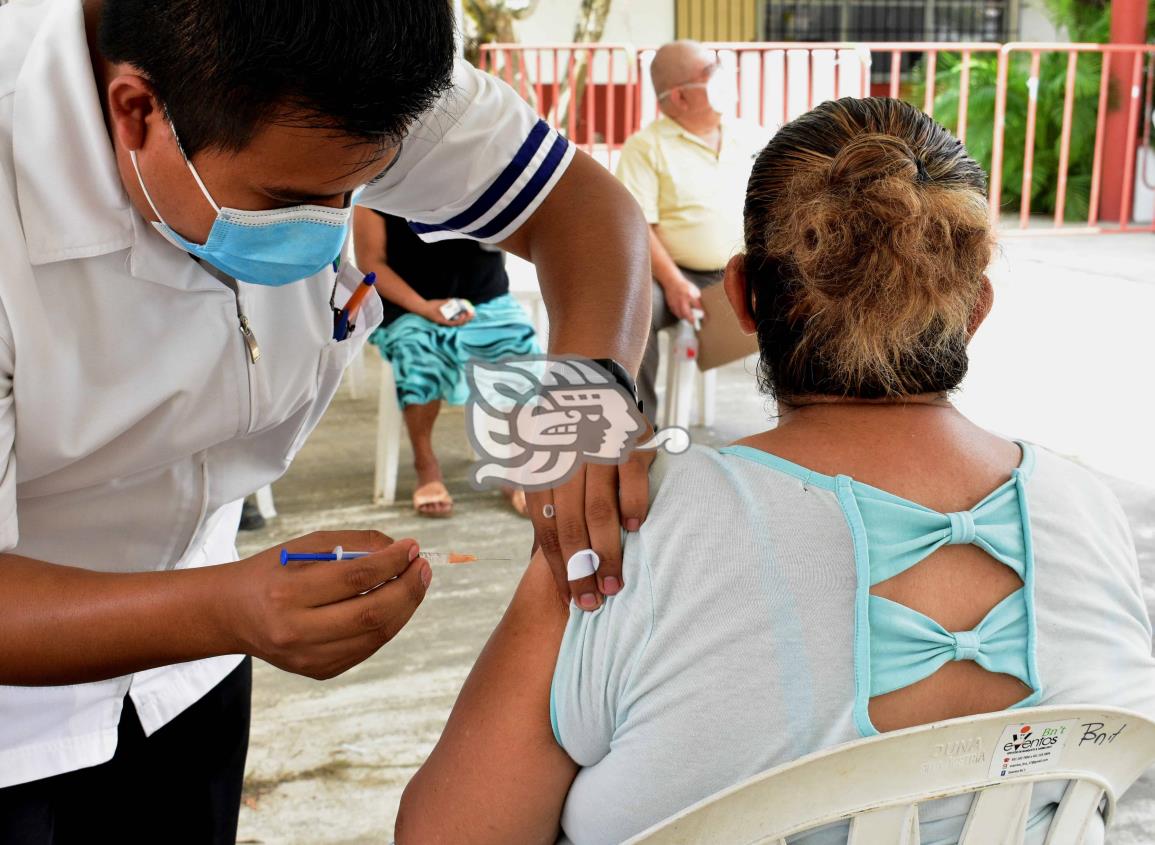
point(651, 22)
point(639, 22)
point(1035, 25)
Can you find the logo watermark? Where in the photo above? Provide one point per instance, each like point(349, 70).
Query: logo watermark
point(534, 420)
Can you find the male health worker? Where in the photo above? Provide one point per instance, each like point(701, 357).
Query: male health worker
point(175, 189)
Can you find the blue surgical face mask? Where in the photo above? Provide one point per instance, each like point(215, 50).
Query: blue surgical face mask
point(273, 247)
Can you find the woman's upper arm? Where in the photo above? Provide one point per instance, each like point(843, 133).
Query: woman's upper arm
point(497, 774)
point(368, 237)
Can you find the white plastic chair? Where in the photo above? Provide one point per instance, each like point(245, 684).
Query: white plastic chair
point(389, 424)
point(524, 287)
point(685, 383)
point(265, 504)
point(878, 783)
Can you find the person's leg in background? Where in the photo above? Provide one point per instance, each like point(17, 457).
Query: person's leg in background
point(435, 499)
point(500, 329)
point(181, 785)
point(661, 317)
point(425, 368)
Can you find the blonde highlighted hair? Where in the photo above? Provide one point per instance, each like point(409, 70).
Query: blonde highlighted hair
point(867, 238)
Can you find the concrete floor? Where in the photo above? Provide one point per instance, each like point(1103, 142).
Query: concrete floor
point(1064, 360)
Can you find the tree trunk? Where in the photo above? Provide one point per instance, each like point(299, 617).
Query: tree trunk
point(591, 23)
point(491, 21)
point(589, 29)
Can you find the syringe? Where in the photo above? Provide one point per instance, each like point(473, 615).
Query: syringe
point(434, 558)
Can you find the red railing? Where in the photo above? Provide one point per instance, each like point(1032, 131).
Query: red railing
point(599, 94)
point(1133, 97)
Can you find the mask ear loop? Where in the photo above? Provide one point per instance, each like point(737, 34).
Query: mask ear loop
point(188, 163)
point(196, 176)
point(201, 185)
point(140, 181)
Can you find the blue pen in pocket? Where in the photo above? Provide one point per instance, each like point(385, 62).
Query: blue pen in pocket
point(344, 324)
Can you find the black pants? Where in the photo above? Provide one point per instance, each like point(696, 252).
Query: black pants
point(662, 318)
point(180, 785)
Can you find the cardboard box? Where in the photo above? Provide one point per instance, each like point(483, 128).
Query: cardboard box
point(720, 340)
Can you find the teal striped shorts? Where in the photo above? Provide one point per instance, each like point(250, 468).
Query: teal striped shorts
point(429, 359)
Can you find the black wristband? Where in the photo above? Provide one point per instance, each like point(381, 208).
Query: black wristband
point(622, 376)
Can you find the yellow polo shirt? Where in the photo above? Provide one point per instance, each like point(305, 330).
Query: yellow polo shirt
point(692, 194)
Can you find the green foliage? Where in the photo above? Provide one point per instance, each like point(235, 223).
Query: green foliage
point(1048, 123)
point(1090, 20)
point(1083, 21)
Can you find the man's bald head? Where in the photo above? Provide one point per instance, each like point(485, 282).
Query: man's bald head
point(678, 63)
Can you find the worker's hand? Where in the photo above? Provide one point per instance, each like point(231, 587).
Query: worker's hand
point(682, 298)
point(432, 311)
point(589, 512)
point(323, 617)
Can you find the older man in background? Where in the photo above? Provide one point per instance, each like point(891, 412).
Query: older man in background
point(688, 171)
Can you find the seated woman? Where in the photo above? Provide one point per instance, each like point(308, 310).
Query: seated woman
point(429, 347)
point(875, 561)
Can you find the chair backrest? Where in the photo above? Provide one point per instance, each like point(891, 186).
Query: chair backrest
point(878, 783)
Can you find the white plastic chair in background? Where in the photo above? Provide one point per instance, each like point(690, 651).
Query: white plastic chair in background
point(685, 383)
point(523, 286)
point(389, 425)
point(265, 502)
point(878, 783)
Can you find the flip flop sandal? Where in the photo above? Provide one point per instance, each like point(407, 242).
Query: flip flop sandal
point(433, 493)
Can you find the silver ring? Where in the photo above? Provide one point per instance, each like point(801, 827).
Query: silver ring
point(548, 511)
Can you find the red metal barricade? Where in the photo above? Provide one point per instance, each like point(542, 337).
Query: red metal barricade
point(1134, 97)
point(599, 94)
point(588, 91)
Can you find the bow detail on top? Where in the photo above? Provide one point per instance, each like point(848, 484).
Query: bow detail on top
point(907, 646)
point(900, 533)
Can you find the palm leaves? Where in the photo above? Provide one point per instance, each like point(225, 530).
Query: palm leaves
point(1052, 83)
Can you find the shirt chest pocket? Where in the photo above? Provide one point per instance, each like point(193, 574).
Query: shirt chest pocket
point(335, 357)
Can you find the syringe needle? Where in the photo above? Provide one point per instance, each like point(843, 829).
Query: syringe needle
point(455, 558)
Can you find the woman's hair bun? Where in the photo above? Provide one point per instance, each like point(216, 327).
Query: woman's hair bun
point(874, 156)
point(875, 222)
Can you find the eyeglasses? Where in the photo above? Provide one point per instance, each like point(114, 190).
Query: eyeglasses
point(710, 70)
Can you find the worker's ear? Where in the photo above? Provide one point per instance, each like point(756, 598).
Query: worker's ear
point(133, 109)
point(736, 291)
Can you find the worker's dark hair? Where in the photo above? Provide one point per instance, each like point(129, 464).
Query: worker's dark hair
point(867, 236)
point(363, 68)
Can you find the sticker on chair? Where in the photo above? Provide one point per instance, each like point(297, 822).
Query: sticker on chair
point(1026, 748)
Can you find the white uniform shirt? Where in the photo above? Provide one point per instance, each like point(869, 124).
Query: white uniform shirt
point(132, 418)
